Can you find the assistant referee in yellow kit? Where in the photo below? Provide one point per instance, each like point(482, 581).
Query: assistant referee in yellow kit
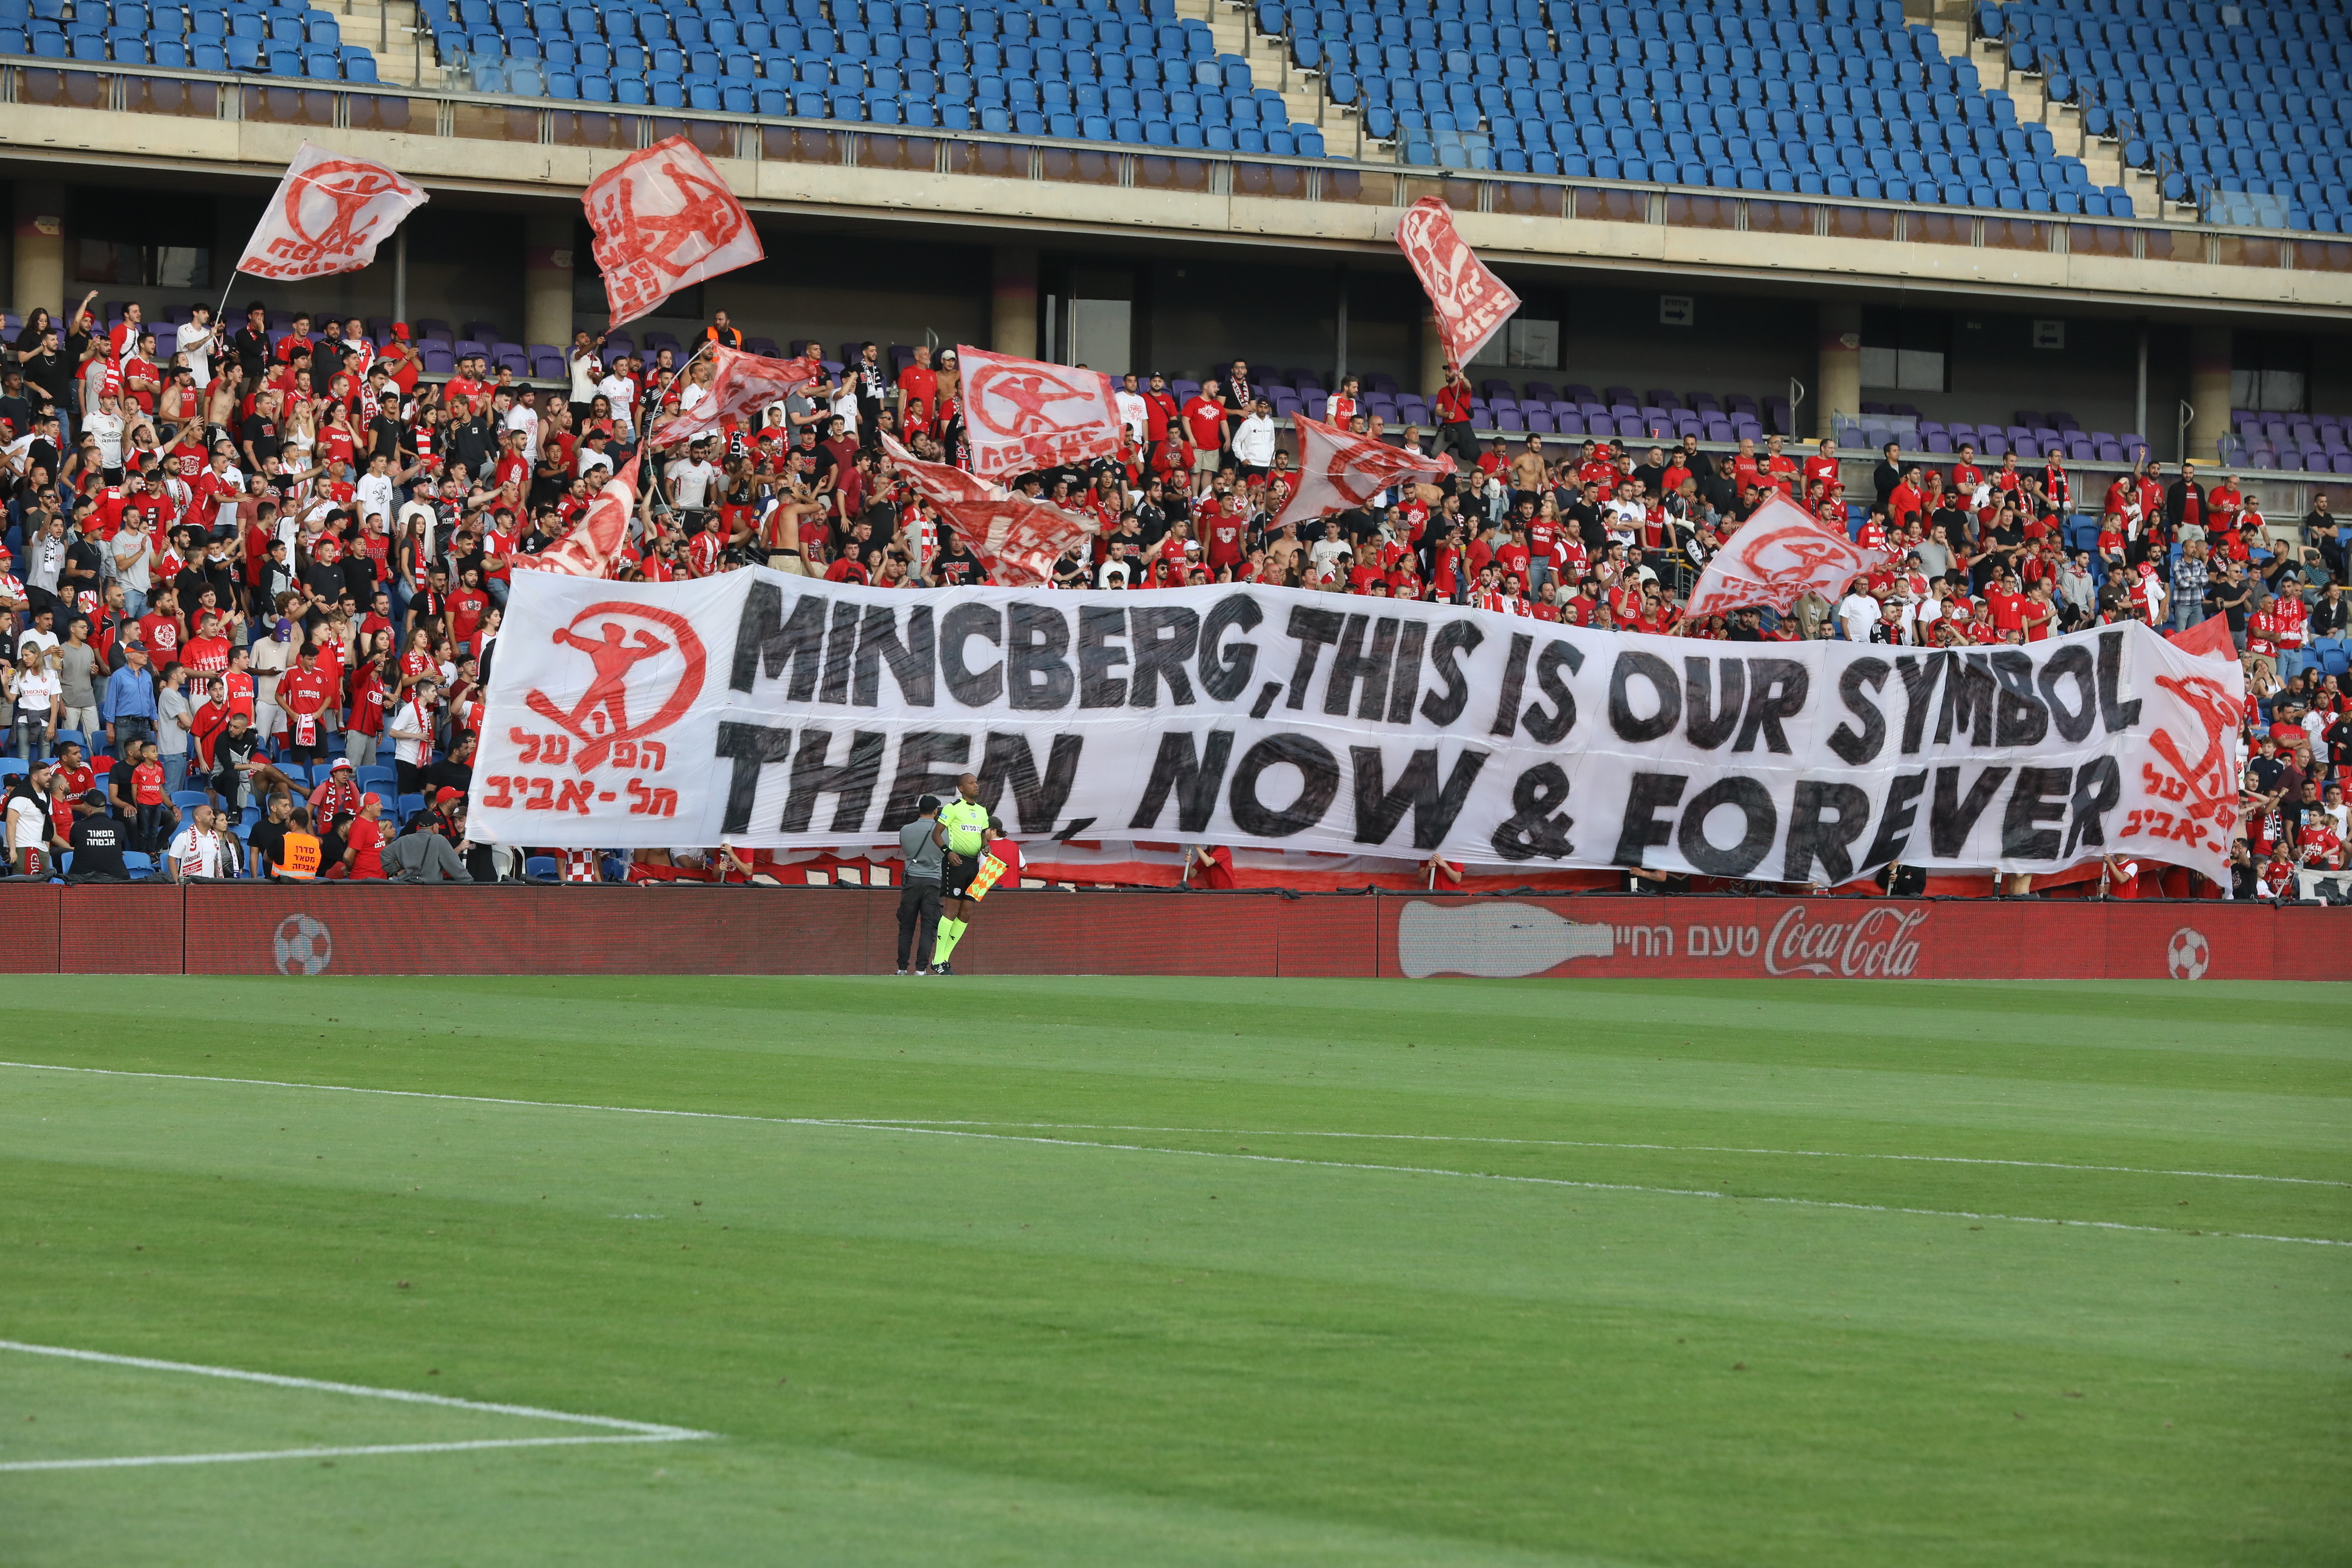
point(968, 827)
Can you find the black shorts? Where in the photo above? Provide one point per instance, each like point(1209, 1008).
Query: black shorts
point(955, 881)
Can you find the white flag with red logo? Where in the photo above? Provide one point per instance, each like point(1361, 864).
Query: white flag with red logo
point(1022, 415)
point(665, 220)
point(1778, 556)
point(1018, 540)
point(744, 383)
point(1471, 304)
point(1339, 472)
point(594, 544)
point(327, 216)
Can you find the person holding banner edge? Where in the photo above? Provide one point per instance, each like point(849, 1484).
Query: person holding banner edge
point(922, 846)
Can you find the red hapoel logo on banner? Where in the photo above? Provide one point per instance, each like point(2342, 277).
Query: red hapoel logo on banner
point(665, 220)
point(2194, 803)
point(1017, 540)
point(328, 215)
point(1776, 557)
point(1021, 415)
point(1339, 472)
point(1471, 303)
point(647, 670)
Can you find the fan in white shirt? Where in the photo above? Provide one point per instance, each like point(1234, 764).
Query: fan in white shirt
point(620, 391)
point(525, 418)
point(200, 850)
point(1133, 411)
point(196, 346)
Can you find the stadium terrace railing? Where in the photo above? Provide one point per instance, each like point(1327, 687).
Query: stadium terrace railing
point(389, 110)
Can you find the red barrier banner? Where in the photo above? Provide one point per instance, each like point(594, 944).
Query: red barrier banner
point(122, 929)
point(248, 928)
point(259, 928)
point(28, 928)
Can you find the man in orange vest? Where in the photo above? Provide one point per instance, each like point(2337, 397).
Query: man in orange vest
point(299, 861)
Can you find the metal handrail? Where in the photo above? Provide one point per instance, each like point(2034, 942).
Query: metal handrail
point(12, 66)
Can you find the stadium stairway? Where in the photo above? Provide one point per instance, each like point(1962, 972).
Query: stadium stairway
point(399, 60)
point(1233, 25)
point(2103, 155)
point(1928, 131)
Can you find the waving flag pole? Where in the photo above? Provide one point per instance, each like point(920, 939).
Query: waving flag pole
point(1469, 302)
point(665, 220)
point(328, 215)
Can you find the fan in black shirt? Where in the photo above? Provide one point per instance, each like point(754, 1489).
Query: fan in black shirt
point(49, 373)
point(98, 841)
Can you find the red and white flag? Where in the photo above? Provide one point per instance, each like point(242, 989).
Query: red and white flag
point(1018, 540)
point(744, 382)
point(595, 542)
point(2209, 638)
point(1022, 415)
point(1471, 304)
point(665, 220)
point(327, 216)
point(1339, 472)
point(1778, 556)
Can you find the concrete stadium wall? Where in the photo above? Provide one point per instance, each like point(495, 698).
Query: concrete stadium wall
point(381, 929)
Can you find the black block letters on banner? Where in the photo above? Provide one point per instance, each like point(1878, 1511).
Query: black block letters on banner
point(780, 712)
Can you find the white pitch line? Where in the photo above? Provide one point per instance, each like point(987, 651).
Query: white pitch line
point(621, 1431)
point(870, 1124)
point(1583, 1144)
point(1118, 1127)
point(939, 1132)
point(131, 1461)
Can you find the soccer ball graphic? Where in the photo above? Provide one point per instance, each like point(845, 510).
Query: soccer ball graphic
point(2187, 954)
point(301, 945)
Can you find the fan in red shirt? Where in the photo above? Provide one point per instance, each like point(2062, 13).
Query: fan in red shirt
point(367, 701)
point(365, 839)
point(2008, 605)
point(303, 693)
point(2318, 846)
point(1204, 421)
point(1160, 412)
point(1820, 469)
point(206, 653)
point(340, 792)
point(160, 629)
point(1452, 404)
point(468, 605)
point(1223, 532)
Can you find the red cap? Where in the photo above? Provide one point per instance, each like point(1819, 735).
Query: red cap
point(371, 798)
point(446, 795)
point(400, 329)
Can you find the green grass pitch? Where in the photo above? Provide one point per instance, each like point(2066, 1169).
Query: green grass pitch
point(1091, 1272)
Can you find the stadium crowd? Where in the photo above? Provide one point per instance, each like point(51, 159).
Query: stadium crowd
point(251, 588)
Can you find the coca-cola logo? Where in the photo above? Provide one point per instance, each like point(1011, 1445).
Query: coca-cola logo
point(1876, 946)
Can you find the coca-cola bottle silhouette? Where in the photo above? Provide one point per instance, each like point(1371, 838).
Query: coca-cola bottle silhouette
point(1493, 941)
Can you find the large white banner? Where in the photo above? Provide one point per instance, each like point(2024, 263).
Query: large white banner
point(783, 711)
